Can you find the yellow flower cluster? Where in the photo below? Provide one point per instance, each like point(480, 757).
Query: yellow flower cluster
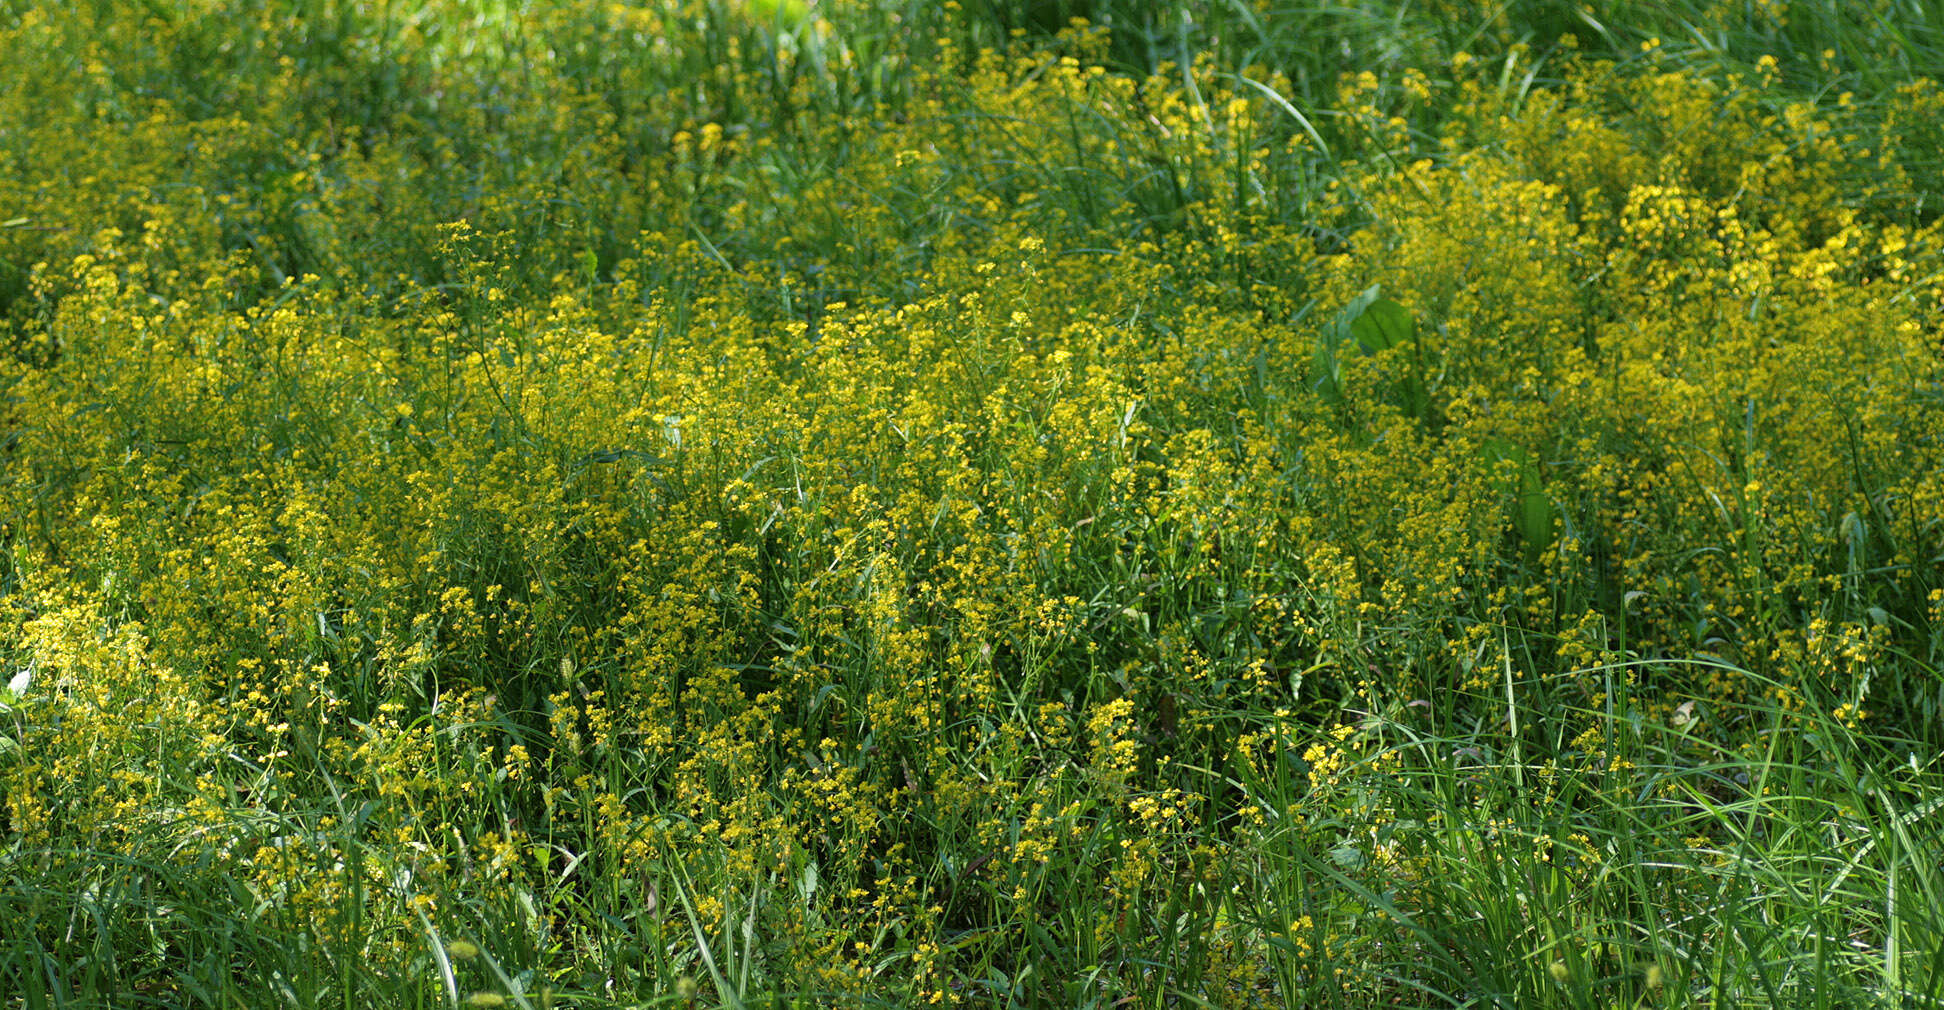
point(399, 514)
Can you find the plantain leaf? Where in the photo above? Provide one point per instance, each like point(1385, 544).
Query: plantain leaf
point(1324, 371)
point(1383, 324)
point(1375, 323)
point(1536, 516)
point(1531, 510)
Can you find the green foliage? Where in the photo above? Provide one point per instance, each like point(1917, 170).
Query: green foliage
point(864, 502)
point(1530, 510)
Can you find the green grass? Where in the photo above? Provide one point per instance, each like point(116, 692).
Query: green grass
point(684, 506)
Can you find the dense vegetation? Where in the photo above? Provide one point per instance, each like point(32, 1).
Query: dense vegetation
point(1009, 503)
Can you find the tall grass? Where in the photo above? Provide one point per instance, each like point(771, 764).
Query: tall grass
point(1006, 503)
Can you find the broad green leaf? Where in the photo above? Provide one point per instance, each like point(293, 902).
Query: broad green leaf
point(1383, 324)
point(1323, 374)
point(1531, 510)
point(1536, 518)
point(1324, 371)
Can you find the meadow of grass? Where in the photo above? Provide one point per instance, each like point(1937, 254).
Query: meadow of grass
point(1006, 503)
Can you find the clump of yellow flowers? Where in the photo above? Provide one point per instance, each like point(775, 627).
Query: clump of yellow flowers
point(870, 525)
